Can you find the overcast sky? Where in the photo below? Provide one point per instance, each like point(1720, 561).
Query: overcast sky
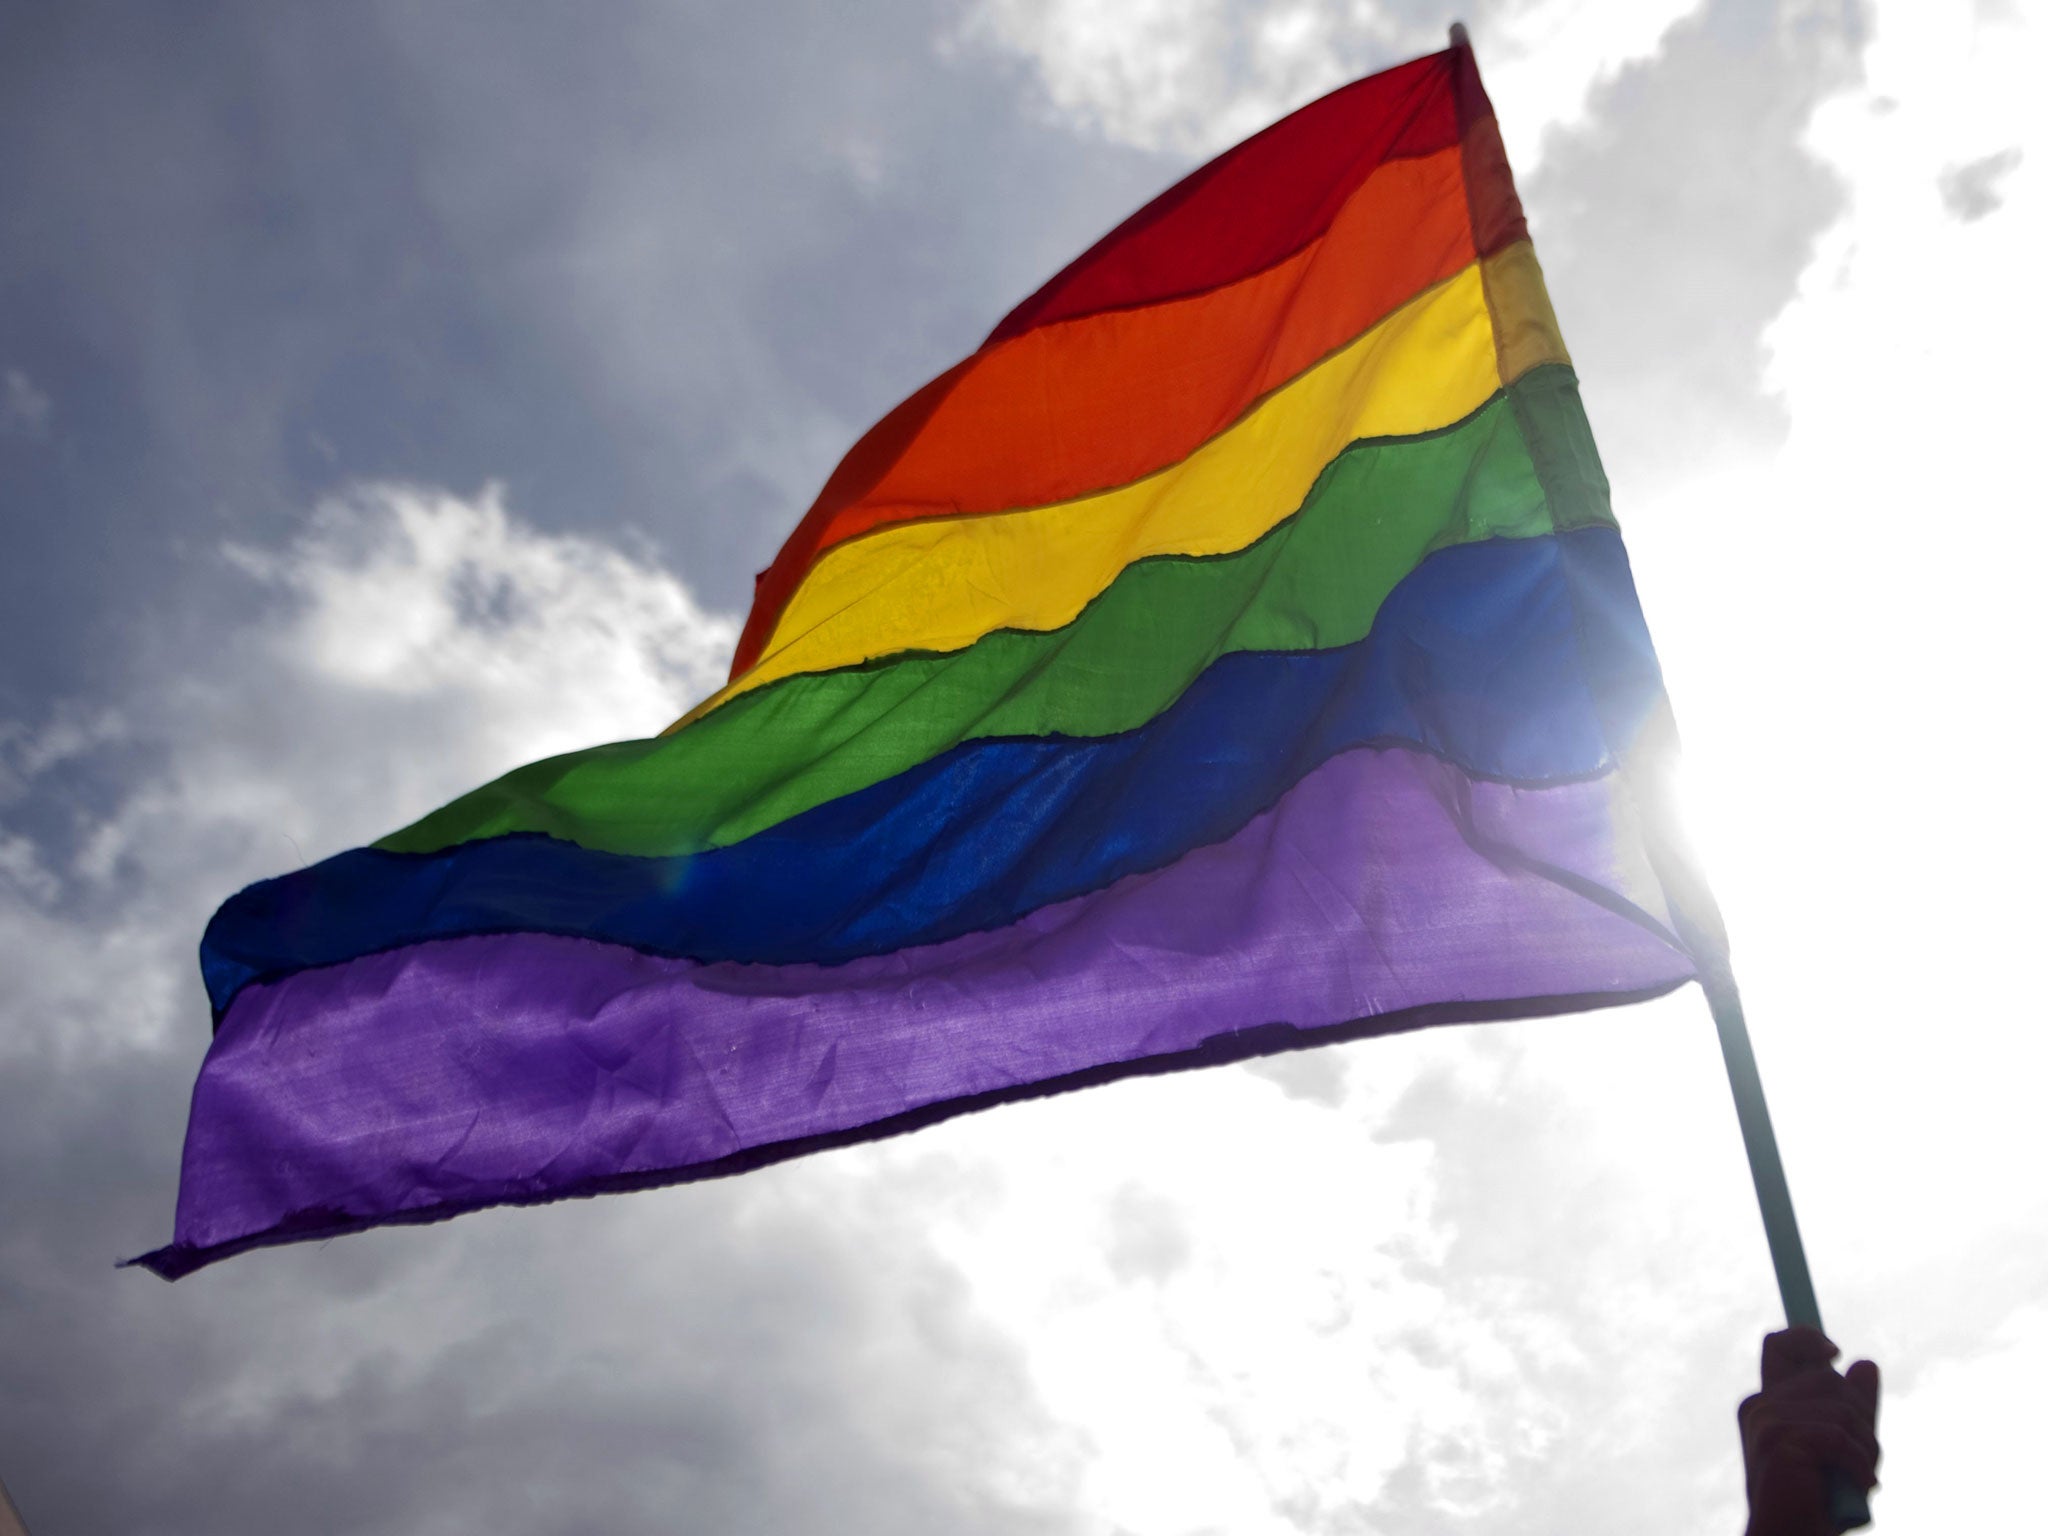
point(390, 395)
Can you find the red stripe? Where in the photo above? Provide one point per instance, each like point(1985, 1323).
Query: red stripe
point(1497, 220)
point(1255, 204)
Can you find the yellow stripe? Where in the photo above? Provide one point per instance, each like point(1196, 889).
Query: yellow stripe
point(943, 583)
point(1524, 323)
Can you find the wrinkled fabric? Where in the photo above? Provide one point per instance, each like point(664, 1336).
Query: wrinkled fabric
point(450, 1075)
point(1481, 656)
point(1236, 651)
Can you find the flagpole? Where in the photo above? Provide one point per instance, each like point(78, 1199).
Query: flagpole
point(1697, 918)
point(1767, 1170)
point(1847, 1504)
point(1650, 771)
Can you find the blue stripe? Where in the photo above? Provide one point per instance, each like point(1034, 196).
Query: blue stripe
point(1518, 659)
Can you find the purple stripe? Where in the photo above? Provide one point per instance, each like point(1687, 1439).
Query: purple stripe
point(467, 1072)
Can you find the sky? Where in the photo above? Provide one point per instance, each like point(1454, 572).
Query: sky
point(390, 395)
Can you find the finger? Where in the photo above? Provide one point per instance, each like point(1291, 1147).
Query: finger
point(1848, 1416)
point(1791, 1351)
point(1816, 1383)
point(1865, 1380)
point(1852, 1447)
point(1781, 1418)
point(1821, 1446)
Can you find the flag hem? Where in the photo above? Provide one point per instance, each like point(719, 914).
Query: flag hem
point(176, 1260)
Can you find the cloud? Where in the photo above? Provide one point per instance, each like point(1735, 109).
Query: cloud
point(1404, 1312)
point(1314, 1076)
point(397, 593)
point(1970, 191)
point(407, 644)
point(1963, 1419)
point(1148, 1238)
point(1674, 225)
point(1542, 61)
point(25, 411)
point(783, 1352)
point(1190, 80)
point(655, 275)
point(1172, 77)
point(1810, 605)
point(1490, 1280)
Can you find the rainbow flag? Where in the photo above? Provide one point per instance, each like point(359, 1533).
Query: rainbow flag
point(1235, 653)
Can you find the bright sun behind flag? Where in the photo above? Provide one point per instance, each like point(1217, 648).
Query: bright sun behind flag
point(1236, 652)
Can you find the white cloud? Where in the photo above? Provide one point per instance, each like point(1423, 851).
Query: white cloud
point(409, 644)
point(1966, 1429)
point(782, 1351)
point(558, 641)
point(1849, 628)
point(1193, 78)
point(1392, 1313)
point(1171, 76)
point(1844, 622)
point(1971, 190)
point(1542, 61)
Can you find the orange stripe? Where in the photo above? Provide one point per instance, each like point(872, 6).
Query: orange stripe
point(940, 584)
point(1083, 405)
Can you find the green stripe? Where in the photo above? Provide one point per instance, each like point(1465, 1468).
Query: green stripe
point(1312, 583)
